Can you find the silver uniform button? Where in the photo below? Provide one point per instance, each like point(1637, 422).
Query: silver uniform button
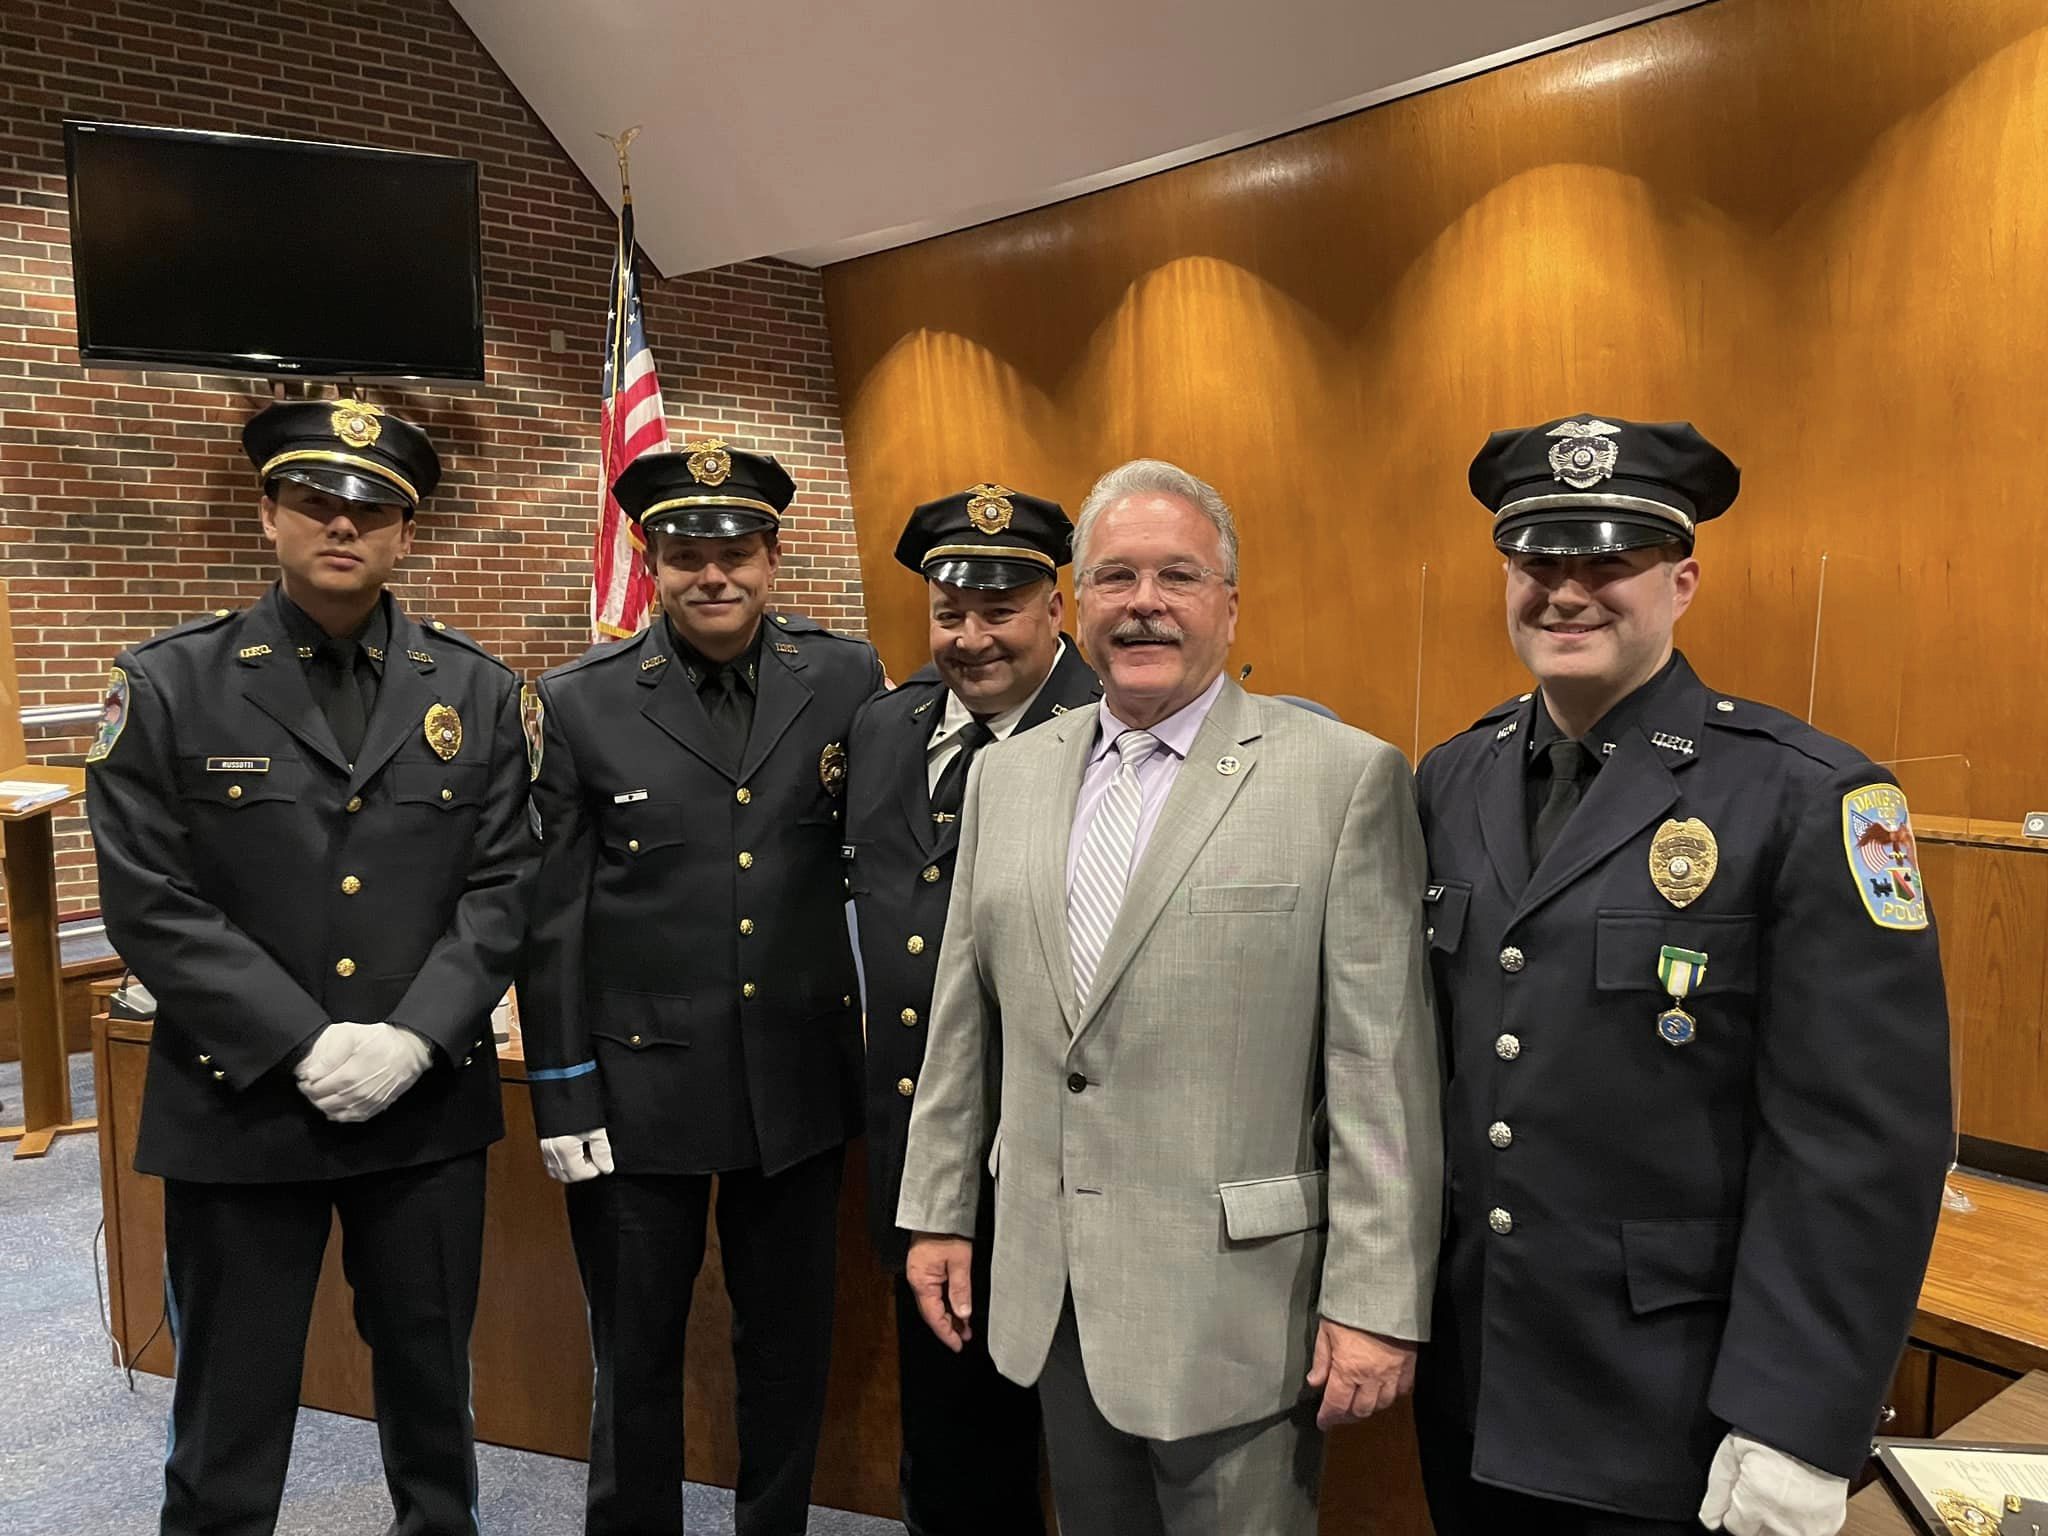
point(1512, 959)
point(1501, 1222)
point(1507, 1047)
point(1499, 1134)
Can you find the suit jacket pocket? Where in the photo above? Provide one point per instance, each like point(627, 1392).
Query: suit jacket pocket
point(1244, 898)
point(1674, 1262)
point(1255, 1208)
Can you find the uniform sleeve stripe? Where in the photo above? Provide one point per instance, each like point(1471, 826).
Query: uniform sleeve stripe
point(556, 1074)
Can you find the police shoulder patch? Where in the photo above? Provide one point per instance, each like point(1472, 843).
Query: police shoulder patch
point(1877, 836)
point(113, 717)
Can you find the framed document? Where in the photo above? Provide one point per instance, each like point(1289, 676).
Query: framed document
point(1964, 1488)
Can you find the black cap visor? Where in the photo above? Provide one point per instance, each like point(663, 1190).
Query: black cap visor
point(348, 484)
point(1538, 533)
point(984, 574)
point(710, 522)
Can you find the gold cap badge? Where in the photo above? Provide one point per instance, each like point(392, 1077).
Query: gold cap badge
point(989, 508)
point(355, 422)
point(1586, 454)
point(1683, 858)
point(444, 731)
point(710, 463)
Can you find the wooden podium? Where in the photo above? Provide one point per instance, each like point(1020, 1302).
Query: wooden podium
point(30, 877)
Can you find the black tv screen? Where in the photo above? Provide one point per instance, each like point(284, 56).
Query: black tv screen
point(234, 254)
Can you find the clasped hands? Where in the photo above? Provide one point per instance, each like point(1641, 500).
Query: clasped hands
point(355, 1071)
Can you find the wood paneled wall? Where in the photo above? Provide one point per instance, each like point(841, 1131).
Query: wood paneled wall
point(1817, 228)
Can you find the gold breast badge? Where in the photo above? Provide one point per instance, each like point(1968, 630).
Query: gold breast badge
point(832, 769)
point(444, 731)
point(1683, 858)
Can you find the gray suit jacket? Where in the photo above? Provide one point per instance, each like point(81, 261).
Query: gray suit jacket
point(1241, 1130)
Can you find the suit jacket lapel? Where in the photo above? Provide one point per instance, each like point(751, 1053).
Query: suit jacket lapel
point(404, 695)
point(780, 695)
point(1201, 793)
point(274, 680)
point(672, 701)
point(1052, 828)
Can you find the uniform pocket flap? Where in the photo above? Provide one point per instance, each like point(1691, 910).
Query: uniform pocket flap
point(1671, 1263)
point(1296, 1202)
point(641, 1020)
point(1244, 898)
point(236, 782)
point(1444, 904)
point(637, 827)
point(451, 786)
point(1628, 943)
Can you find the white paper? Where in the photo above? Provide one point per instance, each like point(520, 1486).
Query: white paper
point(23, 794)
point(1981, 1474)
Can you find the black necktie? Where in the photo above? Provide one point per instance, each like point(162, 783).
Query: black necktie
point(1568, 765)
point(952, 786)
point(728, 711)
point(341, 698)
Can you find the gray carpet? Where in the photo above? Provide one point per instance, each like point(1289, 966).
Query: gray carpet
point(83, 1455)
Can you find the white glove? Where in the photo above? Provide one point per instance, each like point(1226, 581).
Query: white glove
point(572, 1159)
point(1753, 1490)
point(354, 1071)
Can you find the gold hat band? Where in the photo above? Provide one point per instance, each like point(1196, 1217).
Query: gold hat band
point(350, 460)
point(987, 552)
point(747, 502)
point(1586, 499)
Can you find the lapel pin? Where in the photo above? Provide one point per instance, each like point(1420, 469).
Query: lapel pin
point(1227, 766)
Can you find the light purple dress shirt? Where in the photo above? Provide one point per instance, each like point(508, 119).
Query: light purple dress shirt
point(1176, 734)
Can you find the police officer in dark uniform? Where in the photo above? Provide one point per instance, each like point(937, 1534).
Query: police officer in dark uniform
point(313, 844)
point(691, 1007)
point(990, 558)
point(1695, 1041)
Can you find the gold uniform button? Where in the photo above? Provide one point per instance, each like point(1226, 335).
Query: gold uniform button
point(1507, 1047)
point(234, 791)
point(205, 1060)
point(744, 795)
point(1512, 960)
point(437, 624)
point(350, 885)
point(905, 1087)
point(355, 803)
point(749, 990)
point(930, 875)
point(909, 1016)
point(220, 613)
point(846, 1001)
point(746, 861)
point(1501, 1222)
point(915, 944)
point(746, 925)
point(632, 1039)
point(447, 794)
point(468, 1061)
point(344, 966)
point(220, 1077)
point(1500, 1135)
point(632, 845)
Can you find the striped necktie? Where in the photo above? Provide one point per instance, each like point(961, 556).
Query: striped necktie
point(1104, 868)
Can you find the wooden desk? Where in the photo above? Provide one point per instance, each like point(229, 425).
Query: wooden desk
point(31, 882)
point(2018, 1413)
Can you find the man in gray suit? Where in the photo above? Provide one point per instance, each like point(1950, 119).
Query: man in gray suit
point(1187, 920)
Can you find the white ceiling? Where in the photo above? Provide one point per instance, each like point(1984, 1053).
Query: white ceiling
point(824, 129)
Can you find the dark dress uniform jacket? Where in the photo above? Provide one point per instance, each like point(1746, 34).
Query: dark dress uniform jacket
point(692, 986)
point(1728, 1232)
point(899, 866)
point(262, 888)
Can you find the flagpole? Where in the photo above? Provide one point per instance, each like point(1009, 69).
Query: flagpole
point(622, 144)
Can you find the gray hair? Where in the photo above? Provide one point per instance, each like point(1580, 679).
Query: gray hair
point(1142, 477)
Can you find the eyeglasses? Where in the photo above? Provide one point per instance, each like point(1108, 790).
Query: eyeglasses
point(1179, 580)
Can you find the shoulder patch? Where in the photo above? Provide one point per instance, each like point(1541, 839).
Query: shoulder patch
point(1877, 836)
point(113, 717)
point(441, 631)
point(532, 713)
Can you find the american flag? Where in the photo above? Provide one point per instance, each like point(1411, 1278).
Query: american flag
point(621, 590)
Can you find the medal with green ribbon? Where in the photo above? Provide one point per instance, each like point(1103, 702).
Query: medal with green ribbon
point(1678, 972)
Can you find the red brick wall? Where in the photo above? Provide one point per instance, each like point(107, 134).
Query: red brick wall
point(125, 503)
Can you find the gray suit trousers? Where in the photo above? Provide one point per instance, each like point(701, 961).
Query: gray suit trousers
point(1262, 1477)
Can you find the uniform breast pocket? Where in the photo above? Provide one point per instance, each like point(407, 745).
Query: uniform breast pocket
point(447, 787)
point(1444, 905)
point(1629, 945)
point(240, 783)
point(637, 828)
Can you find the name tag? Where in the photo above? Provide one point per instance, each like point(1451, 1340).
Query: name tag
point(629, 796)
point(238, 765)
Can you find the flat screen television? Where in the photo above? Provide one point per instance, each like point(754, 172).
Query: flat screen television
point(229, 253)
